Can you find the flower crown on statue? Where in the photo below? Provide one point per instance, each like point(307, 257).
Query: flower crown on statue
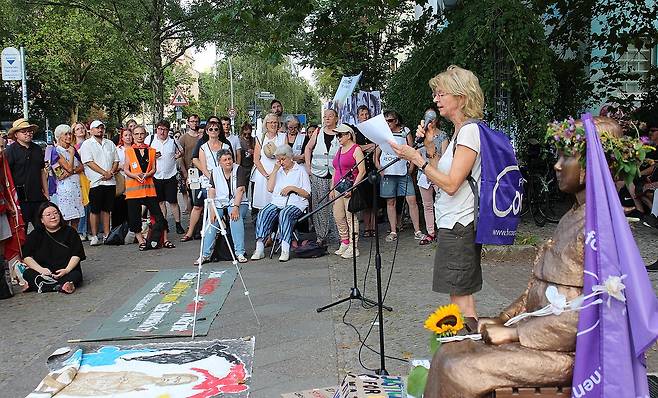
point(624, 154)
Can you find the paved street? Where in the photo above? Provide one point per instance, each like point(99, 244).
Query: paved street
point(296, 348)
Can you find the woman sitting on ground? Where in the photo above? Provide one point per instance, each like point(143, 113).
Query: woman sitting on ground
point(291, 188)
point(229, 182)
point(52, 252)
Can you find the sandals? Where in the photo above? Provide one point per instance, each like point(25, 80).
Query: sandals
point(168, 245)
point(427, 240)
point(186, 238)
point(369, 233)
point(143, 246)
point(392, 237)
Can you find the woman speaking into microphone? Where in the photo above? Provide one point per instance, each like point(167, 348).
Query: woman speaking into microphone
point(457, 272)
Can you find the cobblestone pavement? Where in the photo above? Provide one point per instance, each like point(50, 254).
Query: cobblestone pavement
point(296, 348)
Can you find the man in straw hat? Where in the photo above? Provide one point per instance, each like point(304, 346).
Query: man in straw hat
point(27, 167)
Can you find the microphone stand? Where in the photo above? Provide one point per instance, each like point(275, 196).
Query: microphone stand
point(355, 293)
point(373, 178)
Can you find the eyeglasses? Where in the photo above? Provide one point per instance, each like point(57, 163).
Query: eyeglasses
point(215, 129)
point(26, 131)
point(440, 95)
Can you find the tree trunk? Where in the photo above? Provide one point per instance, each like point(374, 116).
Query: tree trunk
point(73, 114)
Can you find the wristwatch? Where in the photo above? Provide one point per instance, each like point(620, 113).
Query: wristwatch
point(424, 165)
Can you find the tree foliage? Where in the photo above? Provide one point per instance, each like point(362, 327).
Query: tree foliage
point(252, 74)
point(502, 42)
point(74, 63)
point(345, 37)
point(157, 32)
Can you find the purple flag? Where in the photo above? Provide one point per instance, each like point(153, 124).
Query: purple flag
point(612, 336)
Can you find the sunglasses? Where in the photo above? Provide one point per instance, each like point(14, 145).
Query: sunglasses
point(212, 129)
point(391, 120)
point(339, 135)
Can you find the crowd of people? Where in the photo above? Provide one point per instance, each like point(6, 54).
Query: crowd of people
point(88, 184)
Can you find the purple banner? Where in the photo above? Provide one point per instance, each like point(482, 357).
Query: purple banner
point(501, 189)
point(612, 336)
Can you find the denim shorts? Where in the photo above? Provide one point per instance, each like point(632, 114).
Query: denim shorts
point(396, 186)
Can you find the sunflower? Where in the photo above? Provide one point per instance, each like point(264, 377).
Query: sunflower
point(445, 321)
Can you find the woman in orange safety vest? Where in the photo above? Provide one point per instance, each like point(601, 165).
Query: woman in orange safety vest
point(139, 168)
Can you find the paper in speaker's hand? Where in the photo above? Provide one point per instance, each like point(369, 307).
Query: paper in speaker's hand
point(376, 130)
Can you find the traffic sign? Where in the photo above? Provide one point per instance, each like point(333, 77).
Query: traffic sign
point(232, 113)
point(12, 64)
point(266, 95)
point(179, 99)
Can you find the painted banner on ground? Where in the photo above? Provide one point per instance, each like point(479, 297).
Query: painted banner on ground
point(164, 307)
point(202, 369)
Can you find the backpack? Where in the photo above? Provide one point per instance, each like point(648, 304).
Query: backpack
point(309, 249)
point(117, 235)
point(498, 201)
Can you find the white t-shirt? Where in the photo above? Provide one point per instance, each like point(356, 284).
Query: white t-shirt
point(460, 207)
point(103, 154)
point(298, 177)
point(235, 143)
point(166, 163)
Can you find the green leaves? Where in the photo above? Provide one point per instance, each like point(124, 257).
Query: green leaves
point(417, 380)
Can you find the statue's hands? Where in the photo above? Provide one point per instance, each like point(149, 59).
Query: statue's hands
point(488, 321)
point(498, 334)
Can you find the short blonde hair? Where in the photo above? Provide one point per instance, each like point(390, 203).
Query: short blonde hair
point(463, 82)
point(61, 129)
point(267, 118)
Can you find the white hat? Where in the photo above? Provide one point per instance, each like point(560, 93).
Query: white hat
point(96, 123)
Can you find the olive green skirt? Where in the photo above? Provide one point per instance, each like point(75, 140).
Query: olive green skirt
point(457, 269)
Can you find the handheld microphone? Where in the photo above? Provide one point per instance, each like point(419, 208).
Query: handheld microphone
point(429, 117)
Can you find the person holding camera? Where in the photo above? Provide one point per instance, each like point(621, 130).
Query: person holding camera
point(347, 157)
point(229, 193)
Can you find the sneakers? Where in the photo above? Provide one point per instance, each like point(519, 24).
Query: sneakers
point(258, 255)
point(419, 235)
point(285, 255)
point(341, 249)
point(653, 267)
point(203, 259)
point(634, 215)
point(650, 221)
point(83, 237)
point(348, 252)
point(241, 258)
point(94, 241)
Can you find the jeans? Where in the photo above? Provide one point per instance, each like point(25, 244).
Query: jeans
point(237, 232)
